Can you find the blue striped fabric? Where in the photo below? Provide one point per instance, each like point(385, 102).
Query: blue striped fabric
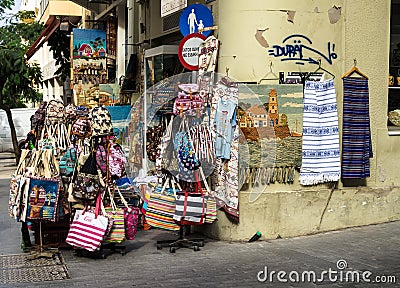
point(320, 148)
point(356, 139)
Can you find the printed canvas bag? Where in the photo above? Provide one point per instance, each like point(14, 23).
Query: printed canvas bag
point(100, 119)
point(55, 112)
point(68, 162)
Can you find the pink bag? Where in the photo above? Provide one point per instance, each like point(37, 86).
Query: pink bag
point(87, 229)
point(187, 103)
point(131, 218)
point(116, 160)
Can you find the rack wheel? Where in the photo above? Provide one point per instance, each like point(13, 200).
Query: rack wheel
point(159, 247)
point(172, 249)
point(201, 243)
point(196, 248)
point(103, 256)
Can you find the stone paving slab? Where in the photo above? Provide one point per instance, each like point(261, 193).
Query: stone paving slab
point(219, 263)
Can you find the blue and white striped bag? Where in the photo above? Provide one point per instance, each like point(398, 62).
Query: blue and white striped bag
point(190, 208)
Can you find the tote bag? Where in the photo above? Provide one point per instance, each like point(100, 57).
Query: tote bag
point(131, 218)
point(160, 210)
point(87, 229)
point(117, 233)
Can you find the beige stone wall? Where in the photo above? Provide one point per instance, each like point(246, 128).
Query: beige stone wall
point(362, 33)
point(62, 7)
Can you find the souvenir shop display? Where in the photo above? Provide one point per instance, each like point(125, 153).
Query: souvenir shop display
point(71, 173)
point(200, 138)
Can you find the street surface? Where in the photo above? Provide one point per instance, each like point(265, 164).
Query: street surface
point(370, 253)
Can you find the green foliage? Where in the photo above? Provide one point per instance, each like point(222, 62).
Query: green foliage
point(5, 4)
point(59, 44)
point(17, 76)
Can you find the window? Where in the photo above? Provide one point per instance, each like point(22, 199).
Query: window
point(394, 70)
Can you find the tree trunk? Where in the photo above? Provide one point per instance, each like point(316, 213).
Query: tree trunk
point(13, 134)
point(11, 123)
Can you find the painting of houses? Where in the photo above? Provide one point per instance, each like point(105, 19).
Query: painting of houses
point(89, 43)
point(272, 115)
point(85, 50)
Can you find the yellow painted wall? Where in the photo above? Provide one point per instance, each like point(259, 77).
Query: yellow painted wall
point(362, 33)
point(62, 7)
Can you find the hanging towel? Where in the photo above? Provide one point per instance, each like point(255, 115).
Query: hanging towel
point(356, 140)
point(321, 154)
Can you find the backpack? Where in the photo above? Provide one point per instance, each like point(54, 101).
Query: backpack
point(55, 112)
point(81, 128)
point(81, 111)
point(100, 119)
point(40, 115)
point(70, 113)
point(67, 162)
point(116, 160)
point(185, 151)
point(153, 141)
point(101, 158)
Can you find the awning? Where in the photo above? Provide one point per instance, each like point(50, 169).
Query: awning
point(52, 24)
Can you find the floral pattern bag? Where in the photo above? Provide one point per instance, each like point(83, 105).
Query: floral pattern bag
point(87, 183)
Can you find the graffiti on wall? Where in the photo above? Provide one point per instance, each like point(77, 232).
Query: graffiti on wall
point(298, 48)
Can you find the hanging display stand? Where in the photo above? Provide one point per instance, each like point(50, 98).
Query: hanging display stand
point(41, 251)
point(181, 242)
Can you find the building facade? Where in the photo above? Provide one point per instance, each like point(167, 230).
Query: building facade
point(294, 36)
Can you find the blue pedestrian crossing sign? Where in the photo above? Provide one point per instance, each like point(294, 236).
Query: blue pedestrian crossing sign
point(194, 18)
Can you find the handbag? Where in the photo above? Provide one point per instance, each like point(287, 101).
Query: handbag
point(211, 203)
point(117, 233)
point(14, 196)
point(87, 229)
point(43, 198)
point(68, 162)
point(160, 210)
point(187, 102)
point(131, 218)
point(100, 119)
point(153, 139)
point(184, 148)
point(81, 127)
point(87, 182)
point(190, 207)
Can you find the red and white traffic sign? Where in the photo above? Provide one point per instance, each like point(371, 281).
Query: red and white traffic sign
point(188, 51)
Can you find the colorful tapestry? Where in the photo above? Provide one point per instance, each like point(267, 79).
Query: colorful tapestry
point(89, 65)
point(226, 173)
point(270, 119)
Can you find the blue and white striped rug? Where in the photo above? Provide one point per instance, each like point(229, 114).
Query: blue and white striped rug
point(320, 147)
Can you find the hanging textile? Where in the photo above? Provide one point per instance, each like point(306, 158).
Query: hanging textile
point(321, 154)
point(356, 141)
point(226, 173)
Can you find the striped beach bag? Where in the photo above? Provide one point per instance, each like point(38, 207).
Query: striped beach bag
point(87, 229)
point(190, 208)
point(160, 210)
point(117, 233)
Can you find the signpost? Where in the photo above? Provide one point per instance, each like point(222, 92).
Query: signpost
point(195, 18)
point(188, 51)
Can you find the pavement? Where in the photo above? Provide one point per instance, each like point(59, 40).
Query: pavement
point(369, 253)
